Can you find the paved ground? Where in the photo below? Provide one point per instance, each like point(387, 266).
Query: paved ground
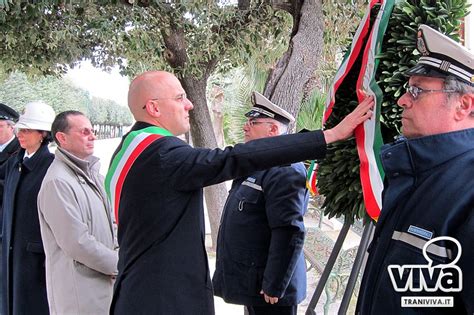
point(104, 150)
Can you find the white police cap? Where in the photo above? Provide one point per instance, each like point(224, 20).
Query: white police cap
point(442, 56)
point(264, 108)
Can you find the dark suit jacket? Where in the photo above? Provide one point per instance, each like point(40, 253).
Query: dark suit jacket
point(163, 265)
point(261, 238)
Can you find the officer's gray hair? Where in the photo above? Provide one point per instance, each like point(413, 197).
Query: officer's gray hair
point(451, 83)
point(11, 123)
point(282, 128)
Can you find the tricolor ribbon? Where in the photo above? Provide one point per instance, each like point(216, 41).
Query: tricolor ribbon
point(312, 178)
point(368, 136)
point(133, 145)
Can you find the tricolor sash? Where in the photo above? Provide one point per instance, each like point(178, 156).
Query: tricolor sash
point(368, 136)
point(133, 145)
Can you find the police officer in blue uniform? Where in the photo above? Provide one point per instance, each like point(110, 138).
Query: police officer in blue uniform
point(259, 248)
point(8, 146)
point(8, 142)
point(420, 259)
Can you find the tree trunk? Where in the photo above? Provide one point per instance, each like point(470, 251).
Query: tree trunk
point(202, 133)
point(217, 106)
point(286, 82)
point(203, 136)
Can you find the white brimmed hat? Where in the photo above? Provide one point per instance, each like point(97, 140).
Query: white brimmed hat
point(264, 108)
point(442, 56)
point(36, 115)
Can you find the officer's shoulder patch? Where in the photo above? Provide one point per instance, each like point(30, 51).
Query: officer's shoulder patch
point(251, 179)
point(252, 185)
point(418, 231)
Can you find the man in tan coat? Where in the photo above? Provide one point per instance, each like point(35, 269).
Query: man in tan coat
point(76, 223)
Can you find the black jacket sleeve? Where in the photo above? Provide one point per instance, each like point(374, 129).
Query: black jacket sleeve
point(192, 168)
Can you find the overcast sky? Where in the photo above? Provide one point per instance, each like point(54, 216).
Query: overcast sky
point(101, 84)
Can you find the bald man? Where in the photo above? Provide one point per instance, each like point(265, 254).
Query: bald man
point(155, 183)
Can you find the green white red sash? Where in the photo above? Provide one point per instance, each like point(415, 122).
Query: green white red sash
point(133, 145)
point(368, 136)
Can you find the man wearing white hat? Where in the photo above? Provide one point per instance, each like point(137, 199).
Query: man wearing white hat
point(260, 263)
point(420, 259)
point(24, 286)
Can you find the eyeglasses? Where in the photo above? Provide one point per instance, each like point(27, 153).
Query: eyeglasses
point(180, 98)
point(415, 91)
point(253, 122)
point(86, 132)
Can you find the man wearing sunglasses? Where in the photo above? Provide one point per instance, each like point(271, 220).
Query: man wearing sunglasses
point(76, 223)
point(428, 199)
point(259, 247)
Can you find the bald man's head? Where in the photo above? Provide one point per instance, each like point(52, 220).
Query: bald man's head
point(157, 97)
point(144, 87)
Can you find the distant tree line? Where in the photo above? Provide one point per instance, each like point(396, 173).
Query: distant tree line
point(107, 116)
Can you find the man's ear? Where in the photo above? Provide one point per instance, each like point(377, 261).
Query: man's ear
point(465, 106)
point(274, 130)
point(152, 109)
point(61, 136)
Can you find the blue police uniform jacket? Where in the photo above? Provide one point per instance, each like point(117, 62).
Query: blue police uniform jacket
point(163, 266)
point(429, 193)
point(261, 237)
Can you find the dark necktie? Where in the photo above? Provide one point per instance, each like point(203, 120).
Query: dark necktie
point(23, 162)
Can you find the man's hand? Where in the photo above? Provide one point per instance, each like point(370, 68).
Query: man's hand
point(346, 127)
point(269, 299)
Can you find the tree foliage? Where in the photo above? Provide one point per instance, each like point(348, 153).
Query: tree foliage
point(52, 34)
point(62, 95)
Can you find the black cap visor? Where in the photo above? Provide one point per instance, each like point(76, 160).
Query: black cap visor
point(423, 70)
point(256, 114)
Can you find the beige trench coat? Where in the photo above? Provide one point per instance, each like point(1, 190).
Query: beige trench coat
point(78, 237)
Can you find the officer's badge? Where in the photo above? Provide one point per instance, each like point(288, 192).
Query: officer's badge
point(421, 46)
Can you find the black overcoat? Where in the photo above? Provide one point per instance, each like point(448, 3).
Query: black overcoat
point(261, 236)
point(24, 283)
point(163, 265)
